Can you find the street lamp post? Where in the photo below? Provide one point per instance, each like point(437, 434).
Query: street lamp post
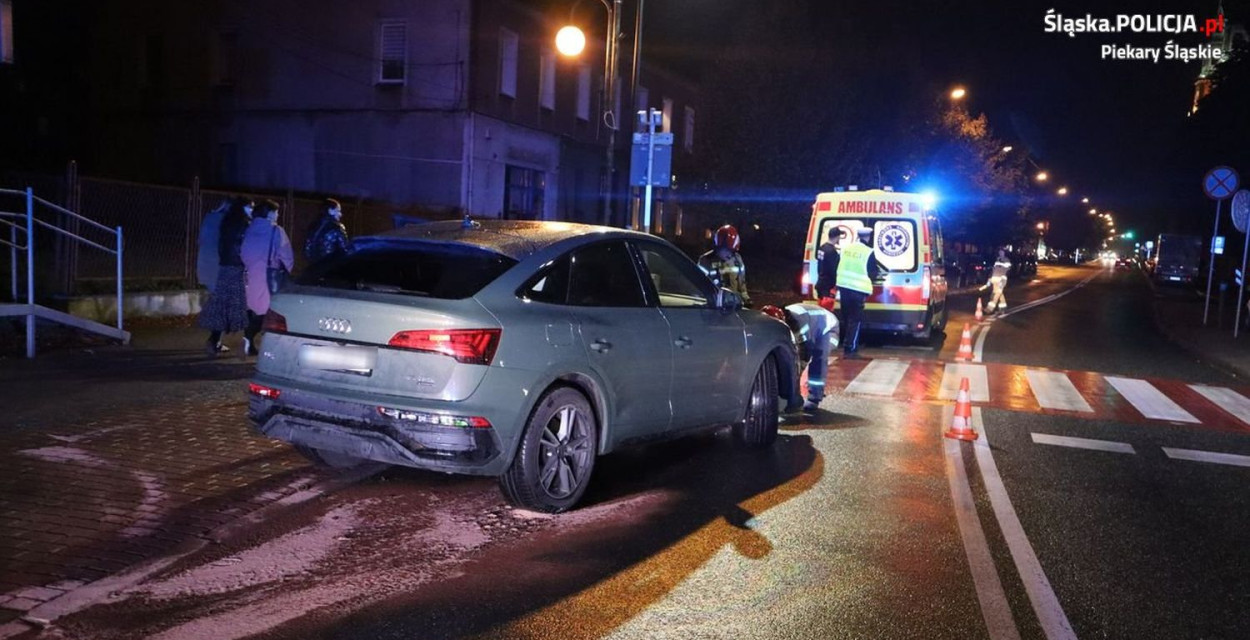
point(569, 45)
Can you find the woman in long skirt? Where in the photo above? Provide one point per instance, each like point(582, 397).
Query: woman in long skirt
point(226, 309)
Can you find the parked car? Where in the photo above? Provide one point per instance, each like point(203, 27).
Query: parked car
point(521, 350)
point(1023, 265)
point(968, 269)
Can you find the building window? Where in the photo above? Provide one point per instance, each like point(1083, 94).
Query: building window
point(687, 131)
point(642, 99)
point(583, 93)
point(523, 197)
point(6, 32)
point(666, 113)
point(392, 53)
point(547, 80)
point(225, 58)
point(507, 62)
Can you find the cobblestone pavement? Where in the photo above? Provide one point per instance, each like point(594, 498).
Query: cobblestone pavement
point(116, 455)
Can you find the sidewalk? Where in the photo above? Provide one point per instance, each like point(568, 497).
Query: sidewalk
point(115, 455)
point(1178, 314)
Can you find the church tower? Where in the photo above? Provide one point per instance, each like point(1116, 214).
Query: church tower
point(1232, 35)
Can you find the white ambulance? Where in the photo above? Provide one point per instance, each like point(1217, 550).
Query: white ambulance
point(909, 298)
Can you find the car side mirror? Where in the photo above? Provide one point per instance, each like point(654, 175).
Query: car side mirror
point(727, 300)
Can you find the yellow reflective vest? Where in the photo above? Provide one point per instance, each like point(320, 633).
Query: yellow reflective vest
point(853, 268)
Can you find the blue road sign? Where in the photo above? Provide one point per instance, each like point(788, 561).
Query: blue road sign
point(1217, 245)
point(661, 168)
point(1220, 183)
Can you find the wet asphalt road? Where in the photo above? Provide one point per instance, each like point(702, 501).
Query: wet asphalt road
point(847, 528)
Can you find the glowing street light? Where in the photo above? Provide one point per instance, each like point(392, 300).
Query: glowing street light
point(1041, 226)
point(1042, 176)
point(1007, 149)
point(958, 93)
point(1063, 191)
point(570, 41)
point(1084, 200)
point(1093, 212)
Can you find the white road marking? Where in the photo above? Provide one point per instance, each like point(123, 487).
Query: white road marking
point(982, 331)
point(1050, 298)
point(978, 381)
point(1083, 443)
point(1050, 615)
point(1226, 399)
point(985, 330)
point(1054, 390)
point(879, 378)
point(1150, 401)
point(994, 606)
point(1208, 456)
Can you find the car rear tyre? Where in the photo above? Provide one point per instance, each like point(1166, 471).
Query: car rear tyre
point(329, 459)
point(552, 466)
point(758, 428)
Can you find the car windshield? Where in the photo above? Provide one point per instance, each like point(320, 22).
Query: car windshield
point(417, 269)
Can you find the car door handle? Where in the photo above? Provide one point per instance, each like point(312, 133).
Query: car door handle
point(683, 342)
point(601, 346)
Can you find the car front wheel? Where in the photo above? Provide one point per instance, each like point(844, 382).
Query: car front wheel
point(552, 467)
point(758, 428)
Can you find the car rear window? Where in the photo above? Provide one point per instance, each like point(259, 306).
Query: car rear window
point(416, 269)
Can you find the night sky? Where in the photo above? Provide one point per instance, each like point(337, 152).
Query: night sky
point(1107, 129)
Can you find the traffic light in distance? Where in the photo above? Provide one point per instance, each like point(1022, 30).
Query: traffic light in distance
point(1129, 235)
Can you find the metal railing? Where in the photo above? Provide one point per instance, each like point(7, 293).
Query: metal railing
point(14, 220)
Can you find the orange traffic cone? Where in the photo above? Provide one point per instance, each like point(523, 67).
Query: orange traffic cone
point(965, 344)
point(980, 314)
point(961, 425)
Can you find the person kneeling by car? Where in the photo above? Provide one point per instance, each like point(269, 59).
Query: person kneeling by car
point(816, 332)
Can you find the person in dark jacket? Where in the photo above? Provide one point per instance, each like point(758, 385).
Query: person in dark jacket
point(226, 309)
point(327, 237)
point(827, 269)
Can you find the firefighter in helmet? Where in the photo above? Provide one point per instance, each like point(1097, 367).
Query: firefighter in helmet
point(815, 332)
point(723, 264)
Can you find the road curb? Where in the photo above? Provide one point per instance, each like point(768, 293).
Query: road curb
point(44, 615)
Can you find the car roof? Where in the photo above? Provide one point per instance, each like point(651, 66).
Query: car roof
point(516, 239)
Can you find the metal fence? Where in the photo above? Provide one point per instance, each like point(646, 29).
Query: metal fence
point(162, 225)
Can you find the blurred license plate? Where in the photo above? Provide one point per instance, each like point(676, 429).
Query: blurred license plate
point(338, 358)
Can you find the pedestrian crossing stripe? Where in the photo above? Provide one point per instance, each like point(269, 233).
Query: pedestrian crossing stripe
point(1074, 393)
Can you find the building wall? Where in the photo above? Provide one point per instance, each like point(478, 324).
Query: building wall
point(495, 146)
point(285, 94)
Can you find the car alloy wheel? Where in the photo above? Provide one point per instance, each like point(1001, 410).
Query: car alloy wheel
point(759, 427)
point(565, 452)
point(553, 465)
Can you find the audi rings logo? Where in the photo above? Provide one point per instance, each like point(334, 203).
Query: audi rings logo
point(336, 325)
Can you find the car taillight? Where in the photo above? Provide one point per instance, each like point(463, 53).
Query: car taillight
point(470, 346)
point(925, 283)
point(435, 419)
point(274, 322)
point(805, 282)
point(263, 391)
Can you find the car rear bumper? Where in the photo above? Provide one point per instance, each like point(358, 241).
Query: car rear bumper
point(357, 429)
point(901, 321)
